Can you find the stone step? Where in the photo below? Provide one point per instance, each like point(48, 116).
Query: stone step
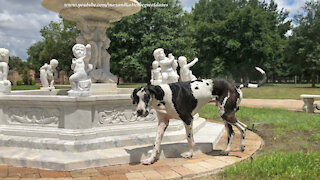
point(140, 137)
point(205, 139)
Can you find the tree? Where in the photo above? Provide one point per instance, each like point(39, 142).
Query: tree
point(57, 43)
point(15, 63)
point(135, 37)
point(304, 46)
point(235, 36)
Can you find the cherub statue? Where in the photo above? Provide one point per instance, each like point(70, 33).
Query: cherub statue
point(166, 65)
point(47, 72)
point(185, 72)
point(79, 80)
point(156, 77)
point(5, 84)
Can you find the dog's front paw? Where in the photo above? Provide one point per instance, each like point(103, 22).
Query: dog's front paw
point(187, 155)
point(149, 161)
point(224, 153)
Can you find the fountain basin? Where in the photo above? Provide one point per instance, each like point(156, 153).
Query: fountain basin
point(110, 10)
point(78, 130)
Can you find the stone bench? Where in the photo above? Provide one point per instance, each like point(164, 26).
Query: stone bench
point(308, 100)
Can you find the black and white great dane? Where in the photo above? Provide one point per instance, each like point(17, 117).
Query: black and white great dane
point(182, 100)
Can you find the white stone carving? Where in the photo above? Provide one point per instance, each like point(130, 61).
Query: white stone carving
point(94, 33)
point(116, 116)
point(168, 66)
point(5, 84)
point(156, 77)
point(93, 23)
point(47, 72)
point(185, 72)
point(79, 80)
point(33, 116)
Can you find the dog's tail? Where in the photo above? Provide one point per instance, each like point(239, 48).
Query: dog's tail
point(249, 85)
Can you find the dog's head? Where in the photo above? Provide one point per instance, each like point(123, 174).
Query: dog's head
point(143, 96)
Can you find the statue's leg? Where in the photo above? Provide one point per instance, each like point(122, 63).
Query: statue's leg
point(164, 78)
point(74, 81)
point(43, 78)
point(5, 71)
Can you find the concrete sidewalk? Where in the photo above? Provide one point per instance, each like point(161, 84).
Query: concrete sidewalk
point(294, 105)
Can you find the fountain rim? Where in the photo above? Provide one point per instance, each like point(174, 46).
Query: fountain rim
point(58, 6)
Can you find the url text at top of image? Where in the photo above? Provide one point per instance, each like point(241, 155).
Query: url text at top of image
point(93, 5)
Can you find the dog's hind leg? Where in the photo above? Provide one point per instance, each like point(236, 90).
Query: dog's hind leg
point(189, 133)
point(230, 137)
point(162, 126)
point(242, 128)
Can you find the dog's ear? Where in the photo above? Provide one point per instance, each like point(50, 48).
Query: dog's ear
point(134, 97)
point(156, 91)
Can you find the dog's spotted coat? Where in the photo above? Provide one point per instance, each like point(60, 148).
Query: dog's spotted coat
point(183, 100)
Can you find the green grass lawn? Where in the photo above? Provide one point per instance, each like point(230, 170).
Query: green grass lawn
point(292, 144)
point(293, 165)
point(280, 91)
point(34, 87)
point(268, 91)
point(131, 85)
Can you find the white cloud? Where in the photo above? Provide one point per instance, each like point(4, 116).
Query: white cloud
point(293, 6)
point(188, 4)
point(20, 24)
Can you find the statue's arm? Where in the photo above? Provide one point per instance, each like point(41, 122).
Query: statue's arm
point(73, 65)
point(166, 62)
point(192, 63)
point(88, 53)
point(44, 67)
point(152, 76)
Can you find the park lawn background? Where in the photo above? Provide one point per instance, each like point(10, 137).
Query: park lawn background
point(268, 91)
point(280, 91)
point(292, 144)
point(34, 87)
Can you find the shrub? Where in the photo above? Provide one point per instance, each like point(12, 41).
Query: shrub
point(19, 82)
point(32, 81)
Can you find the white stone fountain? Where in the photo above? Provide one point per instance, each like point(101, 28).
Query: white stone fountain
point(51, 130)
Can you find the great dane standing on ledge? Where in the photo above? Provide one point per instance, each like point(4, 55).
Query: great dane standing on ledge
point(182, 100)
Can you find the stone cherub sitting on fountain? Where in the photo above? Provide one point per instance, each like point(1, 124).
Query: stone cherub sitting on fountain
point(156, 77)
point(80, 81)
point(47, 72)
point(185, 72)
point(168, 66)
point(5, 84)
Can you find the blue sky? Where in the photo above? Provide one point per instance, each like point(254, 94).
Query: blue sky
point(21, 21)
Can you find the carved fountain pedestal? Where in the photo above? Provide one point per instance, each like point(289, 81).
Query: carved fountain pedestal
point(50, 130)
point(59, 132)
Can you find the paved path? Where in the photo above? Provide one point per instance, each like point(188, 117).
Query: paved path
point(295, 105)
point(170, 168)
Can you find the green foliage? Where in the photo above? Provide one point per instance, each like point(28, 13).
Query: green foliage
point(235, 36)
point(19, 82)
point(17, 64)
point(296, 165)
point(135, 37)
point(57, 43)
point(304, 46)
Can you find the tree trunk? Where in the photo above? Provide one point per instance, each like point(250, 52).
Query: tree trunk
point(313, 79)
